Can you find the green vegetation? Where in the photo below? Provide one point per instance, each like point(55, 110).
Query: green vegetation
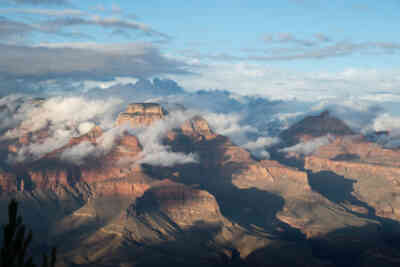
point(15, 250)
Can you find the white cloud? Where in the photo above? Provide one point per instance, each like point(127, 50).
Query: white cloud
point(90, 84)
point(386, 122)
point(233, 126)
point(156, 153)
point(259, 146)
point(78, 153)
point(61, 118)
point(260, 79)
point(69, 111)
point(85, 127)
point(104, 144)
point(307, 148)
point(230, 125)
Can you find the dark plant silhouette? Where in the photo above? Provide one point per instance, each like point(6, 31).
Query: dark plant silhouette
point(14, 252)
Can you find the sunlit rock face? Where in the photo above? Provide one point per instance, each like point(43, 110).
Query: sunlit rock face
point(8, 182)
point(182, 204)
point(141, 114)
point(357, 148)
point(315, 126)
point(197, 127)
point(376, 185)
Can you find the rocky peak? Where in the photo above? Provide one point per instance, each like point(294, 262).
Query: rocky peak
point(141, 114)
point(315, 126)
point(325, 114)
point(166, 84)
point(145, 109)
point(197, 127)
point(90, 136)
point(183, 204)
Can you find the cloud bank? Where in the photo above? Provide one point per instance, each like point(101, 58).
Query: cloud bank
point(307, 148)
point(252, 122)
point(84, 61)
point(154, 151)
point(53, 122)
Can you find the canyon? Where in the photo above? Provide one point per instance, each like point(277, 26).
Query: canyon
point(338, 205)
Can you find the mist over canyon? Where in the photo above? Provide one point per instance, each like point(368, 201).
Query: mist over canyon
point(146, 173)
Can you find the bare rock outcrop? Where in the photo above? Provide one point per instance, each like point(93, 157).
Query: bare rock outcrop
point(356, 148)
point(198, 128)
point(182, 204)
point(121, 187)
point(376, 185)
point(8, 182)
point(141, 114)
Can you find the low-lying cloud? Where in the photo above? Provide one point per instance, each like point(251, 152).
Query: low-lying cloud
point(154, 151)
point(307, 148)
point(104, 144)
point(249, 121)
point(53, 122)
point(234, 126)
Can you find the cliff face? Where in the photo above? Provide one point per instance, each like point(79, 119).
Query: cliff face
point(141, 114)
point(182, 204)
point(8, 182)
point(121, 187)
point(377, 186)
point(356, 148)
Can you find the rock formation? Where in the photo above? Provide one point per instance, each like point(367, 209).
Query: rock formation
point(183, 205)
point(8, 182)
point(141, 114)
point(377, 186)
point(315, 126)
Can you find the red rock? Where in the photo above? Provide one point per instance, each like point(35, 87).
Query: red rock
point(8, 182)
point(141, 114)
point(356, 148)
point(197, 127)
point(183, 204)
point(376, 185)
point(120, 187)
point(91, 136)
point(49, 179)
point(315, 126)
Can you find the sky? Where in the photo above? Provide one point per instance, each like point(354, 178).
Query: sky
point(303, 49)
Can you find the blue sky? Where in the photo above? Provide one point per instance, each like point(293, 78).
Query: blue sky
point(258, 47)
